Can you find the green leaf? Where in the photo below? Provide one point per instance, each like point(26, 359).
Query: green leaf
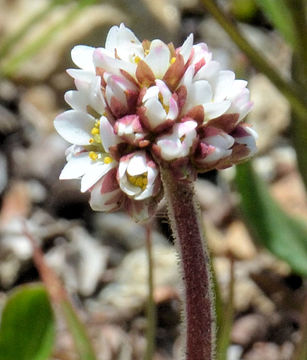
point(279, 14)
point(243, 10)
point(226, 318)
point(27, 325)
point(78, 331)
point(283, 235)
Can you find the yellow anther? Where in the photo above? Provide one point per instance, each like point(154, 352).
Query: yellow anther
point(165, 107)
point(140, 181)
point(182, 138)
point(97, 123)
point(173, 59)
point(91, 140)
point(146, 51)
point(94, 131)
point(137, 59)
point(107, 160)
point(93, 155)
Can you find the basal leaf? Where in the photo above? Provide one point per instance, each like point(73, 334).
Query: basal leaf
point(283, 235)
point(27, 327)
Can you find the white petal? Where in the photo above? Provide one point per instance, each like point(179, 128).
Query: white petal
point(94, 172)
point(187, 77)
point(200, 53)
point(75, 99)
point(111, 40)
point(102, 59)
point(151, 92)
point(145, 194)
point(108, 137)
point(186, 48)
point(113, 89)
point(128, 45)
point(217, 154)
point(185, 128)
point(158, 58)
point(82, 56)
point(171, 146)
point(223, 85)
point(164, 90)
point(213, 110)
point(244, 110)
point(96, 99)
point(173, 109)
point(128, 188)
point(76, 166)
point(237, 88)
point(155, 113)
point(249, 141)
point(101, 202)
point(208, 71)
point(126, 35)
point(81, 75)
point(198, 93)
point(74, 126)
point(223, 141)
point(137, 165)
point(151, 176)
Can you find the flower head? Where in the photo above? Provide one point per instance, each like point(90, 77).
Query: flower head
point(142, 105)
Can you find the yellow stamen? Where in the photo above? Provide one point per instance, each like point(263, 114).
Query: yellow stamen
point(94, 131)
point(140, 181)
point(166, 107)
point(137, 59)
point(107, 160)
point(173, 59)
point(91, 140)
point(93, 155)
point(146, 51)
point(97, 123)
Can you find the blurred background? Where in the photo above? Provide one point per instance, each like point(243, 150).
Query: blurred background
point(101, 258)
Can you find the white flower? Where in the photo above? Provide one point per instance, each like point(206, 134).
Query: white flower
point(140, 104)
point(160, 107)
point(138, 175)
point(215, 146)
point(246, 136)
point(178, 143)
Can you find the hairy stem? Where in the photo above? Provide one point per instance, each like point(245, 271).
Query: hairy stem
point(199, 319)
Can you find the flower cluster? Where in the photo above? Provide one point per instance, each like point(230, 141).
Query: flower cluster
point(142, 105)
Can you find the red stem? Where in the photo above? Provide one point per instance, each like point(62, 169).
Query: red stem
point(184, 214)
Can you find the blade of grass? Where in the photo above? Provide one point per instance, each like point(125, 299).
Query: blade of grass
point(292, 91)
point(11, 41)
point(59, 296)
point(280, 16)
point(151, 309)
point(299, 16)
point(299, 74)
point(15, 62)
point(223, 339)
